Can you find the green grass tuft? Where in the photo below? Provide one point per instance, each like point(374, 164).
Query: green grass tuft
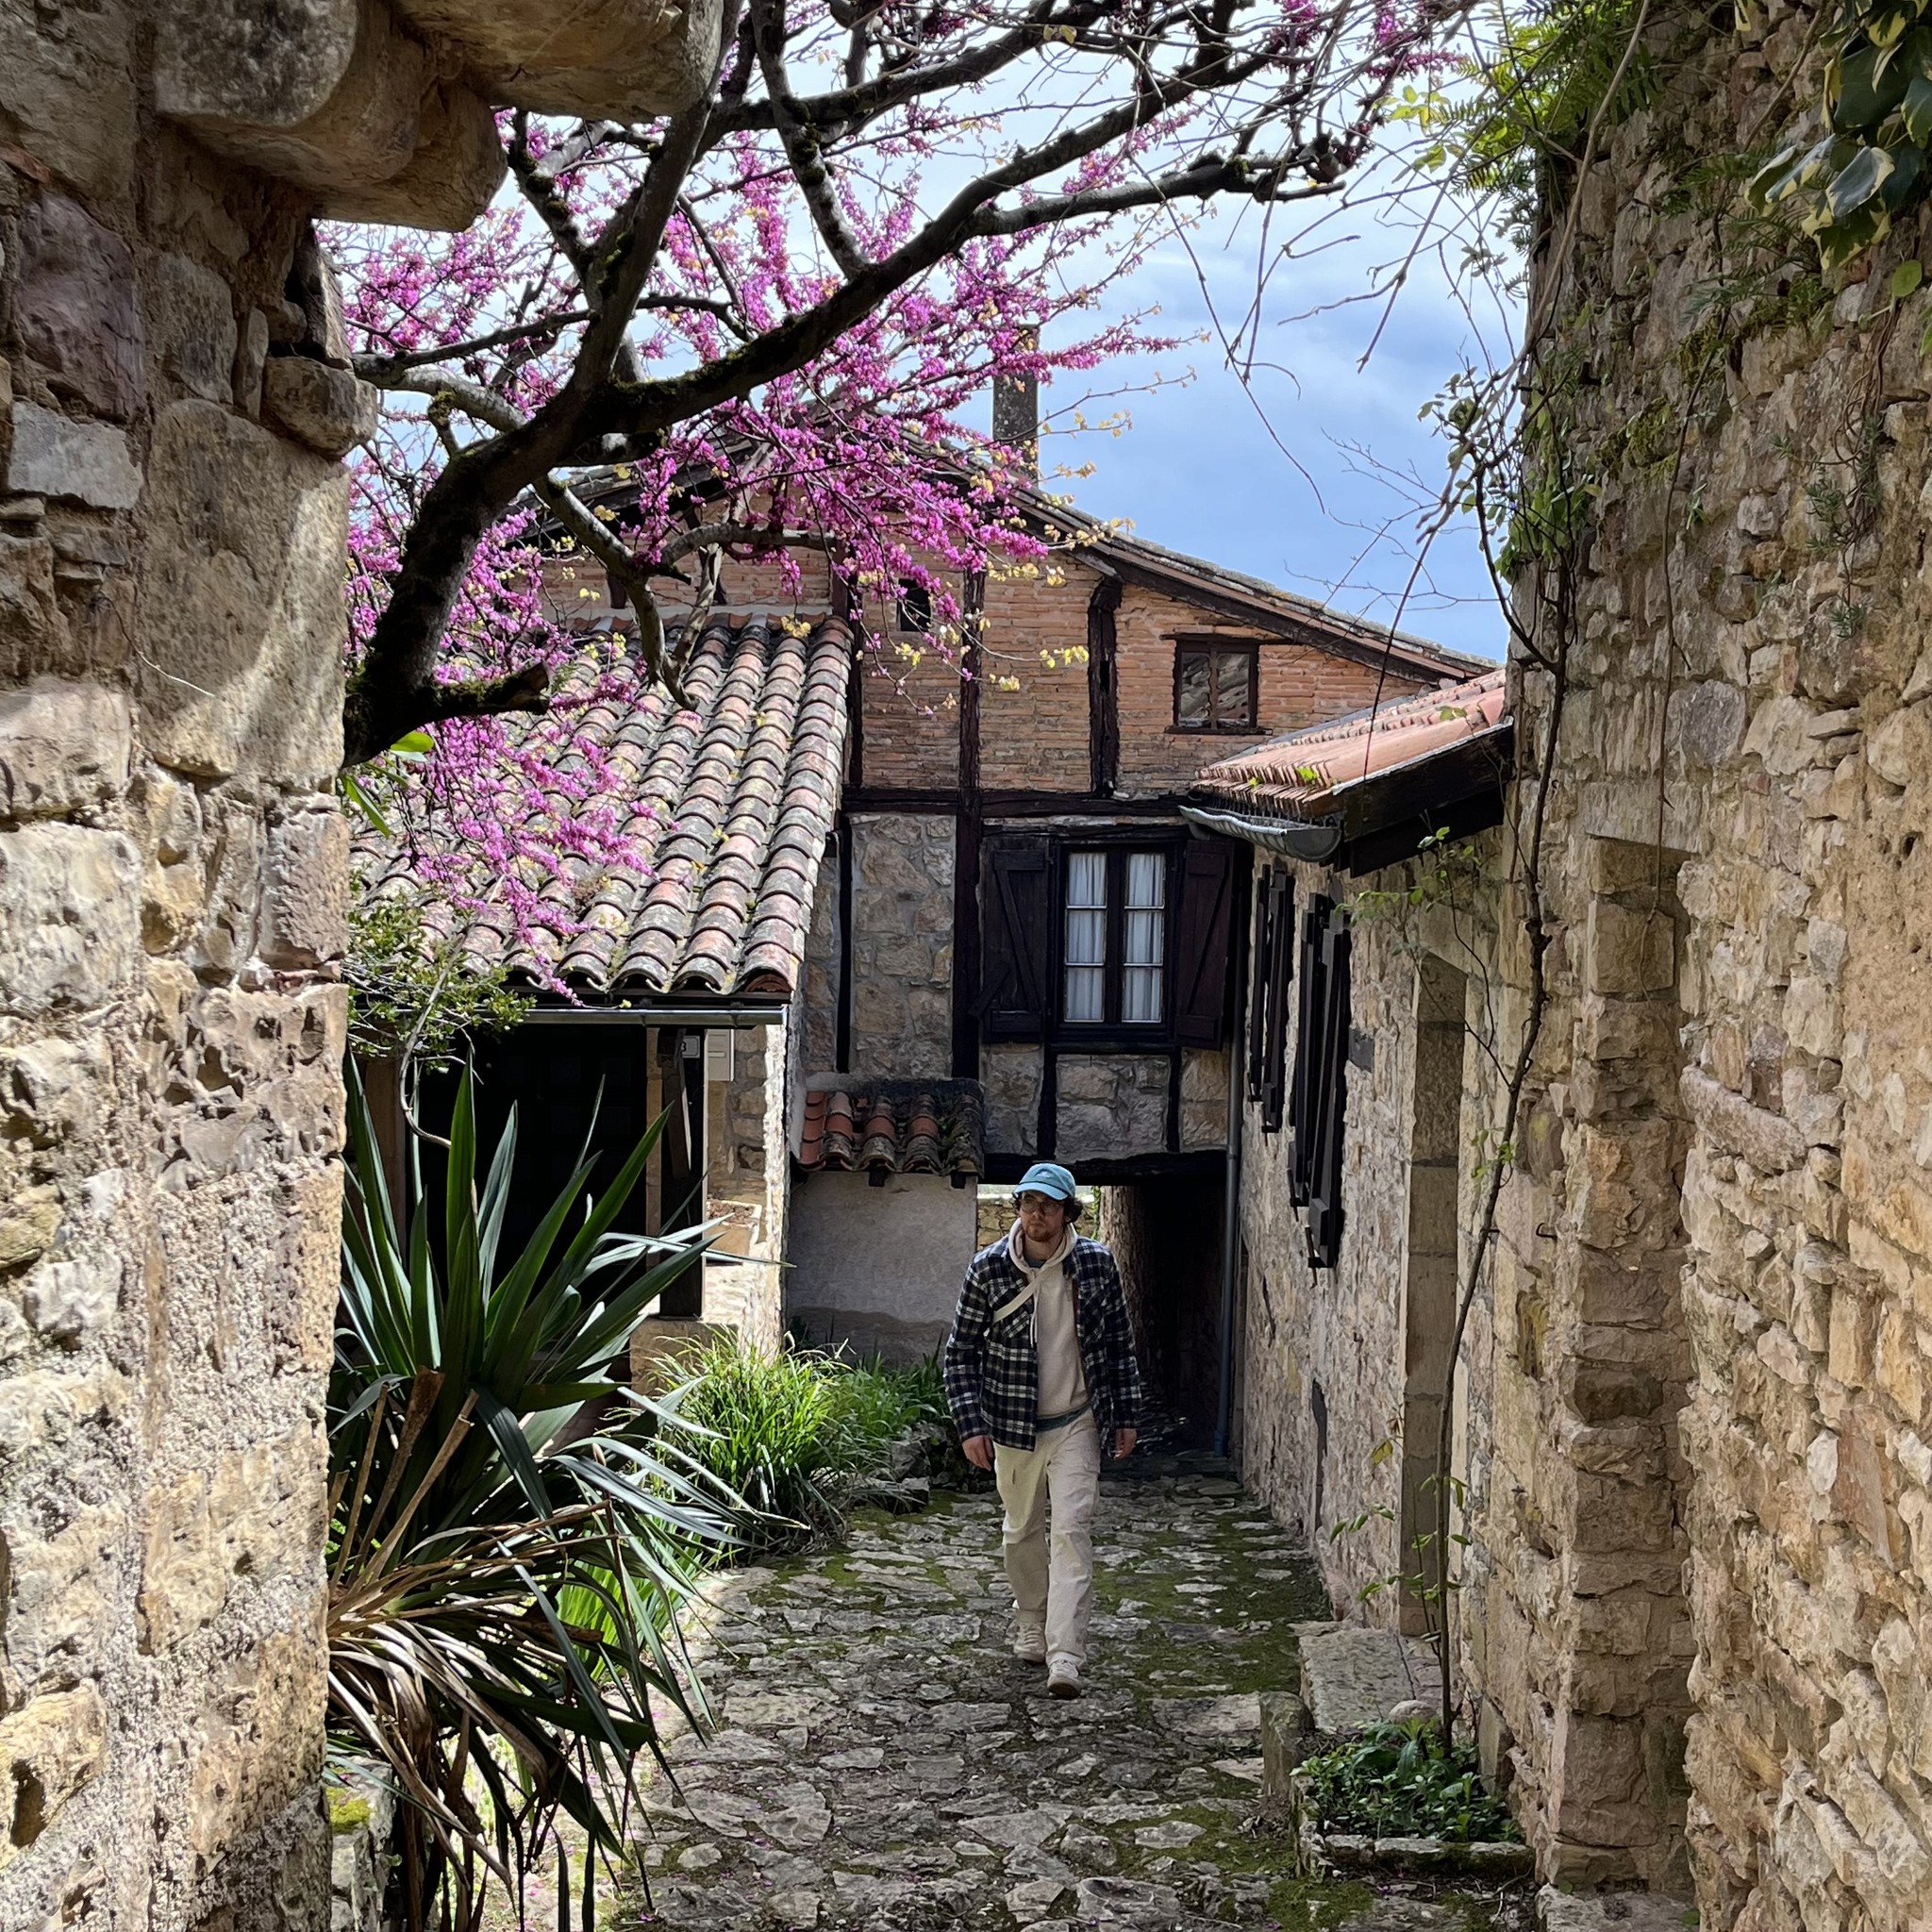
point(780, 1431)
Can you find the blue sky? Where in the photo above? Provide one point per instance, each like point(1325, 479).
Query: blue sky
point(1268, 477)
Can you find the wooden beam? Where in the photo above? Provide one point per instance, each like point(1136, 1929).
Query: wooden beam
point(842, 1032)
point(1007, 1168)
point(966, 934)
point(1012, 805)
point(1103, 693)
point(685, 1148)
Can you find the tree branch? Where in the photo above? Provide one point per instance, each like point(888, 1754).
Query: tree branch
point(373, 369)
point(801, 142)
point(473, 398)
point(602, 542)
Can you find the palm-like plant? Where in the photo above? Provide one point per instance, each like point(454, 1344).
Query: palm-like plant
point(510, 1543)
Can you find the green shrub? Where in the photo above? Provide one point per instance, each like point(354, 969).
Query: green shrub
point(780, 1432)
point(766, 1428)
point(1397, 1781)
point(875, 1404)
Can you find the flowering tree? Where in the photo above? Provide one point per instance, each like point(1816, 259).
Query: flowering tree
point(766, 312)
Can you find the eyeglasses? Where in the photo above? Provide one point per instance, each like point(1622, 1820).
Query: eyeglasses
point(1033, 1203)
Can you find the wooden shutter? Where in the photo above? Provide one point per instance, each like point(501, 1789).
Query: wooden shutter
point(1207, 914)
point(1260, 967)
point(1016, 929)
point(1308, 1054)
point(1324, 1166)
point(1280, 975)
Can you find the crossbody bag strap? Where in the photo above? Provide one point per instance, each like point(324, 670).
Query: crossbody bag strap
point(1013, 1306)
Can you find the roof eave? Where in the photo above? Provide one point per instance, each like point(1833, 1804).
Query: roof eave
point(1461, 788)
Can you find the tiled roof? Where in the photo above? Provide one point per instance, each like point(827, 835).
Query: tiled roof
point(895, 1126)
point(1307, 775)
point(730, 804)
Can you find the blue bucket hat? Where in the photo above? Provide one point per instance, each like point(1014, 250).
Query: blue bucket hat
point(1047, 1178)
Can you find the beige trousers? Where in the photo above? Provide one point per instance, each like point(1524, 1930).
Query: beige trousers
point(1052, 1574)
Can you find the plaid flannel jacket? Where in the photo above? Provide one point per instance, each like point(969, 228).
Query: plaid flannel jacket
point(992, 1367)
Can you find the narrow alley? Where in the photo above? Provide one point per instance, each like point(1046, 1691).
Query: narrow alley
point(880, 1761)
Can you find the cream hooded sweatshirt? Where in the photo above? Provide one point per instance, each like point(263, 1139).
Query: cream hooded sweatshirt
point(1062, 1380)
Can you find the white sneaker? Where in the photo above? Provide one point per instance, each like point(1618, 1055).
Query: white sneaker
point(1064, 1677)
point(1029, 1644)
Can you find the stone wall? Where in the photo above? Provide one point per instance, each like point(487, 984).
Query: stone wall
point(1711, 1491)
point(901, 947)
point(172, 875)
point(173, 516)
point(1342, 1368)
point(747, 1182)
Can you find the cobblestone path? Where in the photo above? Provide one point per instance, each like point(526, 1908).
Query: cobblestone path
point(882, 1762)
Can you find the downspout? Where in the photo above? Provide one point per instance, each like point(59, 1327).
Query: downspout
point(1231, 1221)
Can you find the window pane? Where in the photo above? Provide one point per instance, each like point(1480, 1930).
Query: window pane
point(1231, 687)
point(1086, 949)
point(914, 609)
point(1141, 996)
point(1086, 939)
point(1086, 988)
point(1144, 939)
point(1192, 702)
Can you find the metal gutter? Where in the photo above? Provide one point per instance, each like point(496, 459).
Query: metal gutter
point(743, 1017)
point(1288, 837)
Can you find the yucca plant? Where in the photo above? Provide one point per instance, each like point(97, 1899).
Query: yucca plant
point(510, 1541)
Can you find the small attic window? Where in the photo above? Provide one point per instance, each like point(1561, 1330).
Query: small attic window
point(1215, 686)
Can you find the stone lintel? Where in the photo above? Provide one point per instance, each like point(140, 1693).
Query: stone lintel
point(334, 96)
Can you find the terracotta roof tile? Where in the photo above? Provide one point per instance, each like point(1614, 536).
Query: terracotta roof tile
point(1306, 774)
point(895, 1126)
point(732, 802)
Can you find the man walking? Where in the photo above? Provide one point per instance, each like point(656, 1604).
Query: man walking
point(1040, 1373)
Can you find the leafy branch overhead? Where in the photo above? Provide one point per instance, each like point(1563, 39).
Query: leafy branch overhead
point(764, 316)
point(1868, 165)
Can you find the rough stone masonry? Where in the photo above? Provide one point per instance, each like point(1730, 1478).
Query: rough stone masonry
point(173, 517)
point(1701, 1595)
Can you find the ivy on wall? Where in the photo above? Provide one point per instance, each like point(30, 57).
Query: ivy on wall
point(1871, 163)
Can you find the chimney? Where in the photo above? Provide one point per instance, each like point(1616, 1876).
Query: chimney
point(1016, 415)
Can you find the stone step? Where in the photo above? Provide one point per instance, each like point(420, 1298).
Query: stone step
point(1612, 1911)
point(1352, 1678)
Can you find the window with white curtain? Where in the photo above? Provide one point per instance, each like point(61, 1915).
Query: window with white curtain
point(1115, 943)
point(1086, 956)
point(1144, 937)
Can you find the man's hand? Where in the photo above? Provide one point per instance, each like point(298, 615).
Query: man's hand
point(979, 1450)
point(1124, 1441)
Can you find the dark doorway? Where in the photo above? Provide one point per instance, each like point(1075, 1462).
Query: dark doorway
point(1166, 1236)
point(567, 1084)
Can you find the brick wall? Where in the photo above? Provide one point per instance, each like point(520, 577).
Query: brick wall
point(1299, 686)
point(912, 718)
point(1033, 730)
